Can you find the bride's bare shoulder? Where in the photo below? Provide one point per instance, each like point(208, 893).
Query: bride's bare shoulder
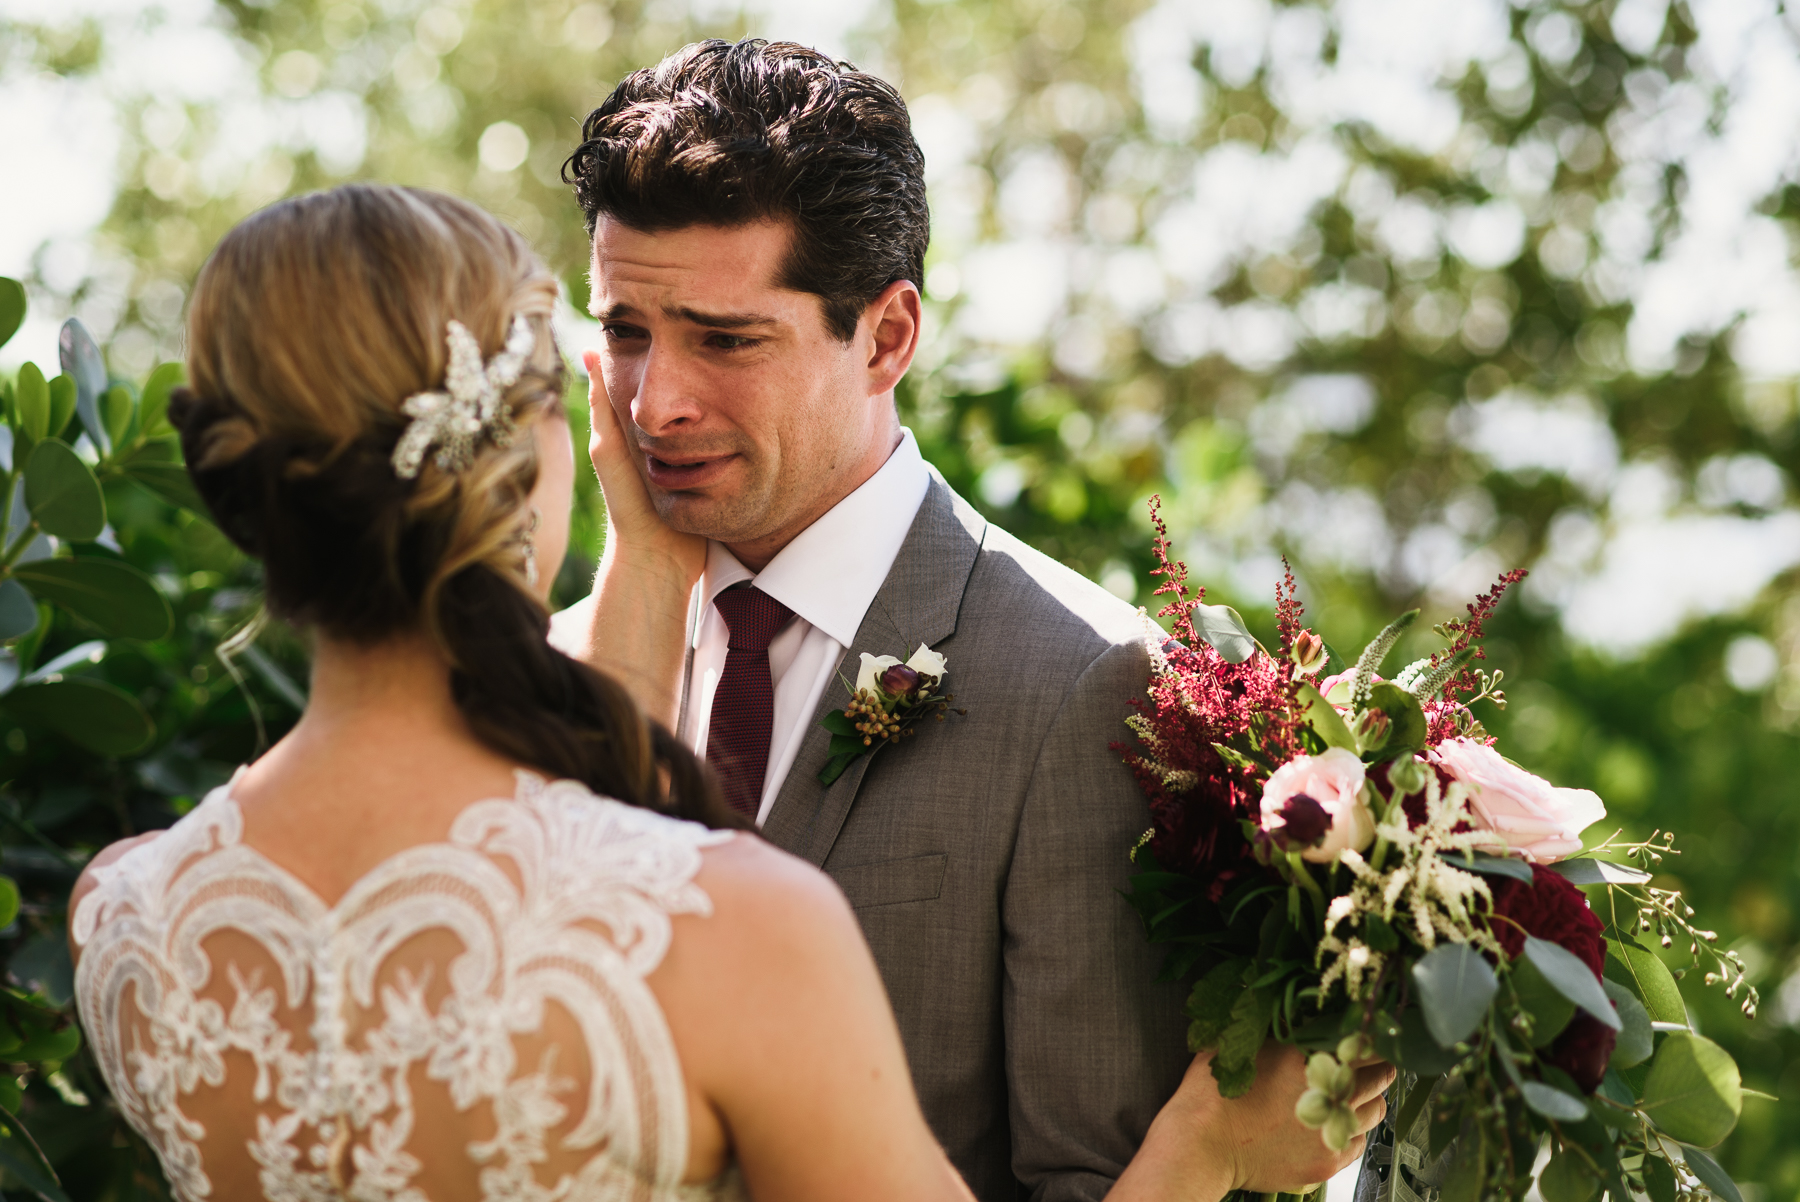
point(754, 884)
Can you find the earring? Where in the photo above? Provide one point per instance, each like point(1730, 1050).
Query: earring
point(530, 540)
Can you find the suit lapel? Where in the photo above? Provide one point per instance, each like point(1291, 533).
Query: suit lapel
point(917, 603)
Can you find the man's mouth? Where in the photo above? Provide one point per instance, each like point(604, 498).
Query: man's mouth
point(676, 475)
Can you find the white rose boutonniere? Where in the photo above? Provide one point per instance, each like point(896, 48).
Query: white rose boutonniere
point(888, 697)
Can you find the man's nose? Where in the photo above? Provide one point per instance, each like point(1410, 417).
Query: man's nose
point(667, 397)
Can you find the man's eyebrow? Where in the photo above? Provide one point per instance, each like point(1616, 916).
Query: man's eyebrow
point(718, 321)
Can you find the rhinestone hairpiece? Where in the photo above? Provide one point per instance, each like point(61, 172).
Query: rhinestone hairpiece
point(470, 409)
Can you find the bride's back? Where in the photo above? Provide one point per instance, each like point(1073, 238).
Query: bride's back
point(470, 1019)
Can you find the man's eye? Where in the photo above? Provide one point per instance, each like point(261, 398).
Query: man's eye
point(617, 332)
point(729, 342)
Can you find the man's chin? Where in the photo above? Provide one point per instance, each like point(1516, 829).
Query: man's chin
point(721, 520)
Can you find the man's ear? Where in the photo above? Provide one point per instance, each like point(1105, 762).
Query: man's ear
point(893, 319)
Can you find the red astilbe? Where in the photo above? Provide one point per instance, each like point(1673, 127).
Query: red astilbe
point(1195, 700)
point(1467, 633)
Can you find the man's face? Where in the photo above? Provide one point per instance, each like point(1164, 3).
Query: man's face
point(749, 417)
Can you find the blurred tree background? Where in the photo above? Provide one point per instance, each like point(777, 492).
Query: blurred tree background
point(1409, 291)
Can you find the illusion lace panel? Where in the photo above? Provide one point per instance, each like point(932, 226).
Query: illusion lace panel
point(469, 1021)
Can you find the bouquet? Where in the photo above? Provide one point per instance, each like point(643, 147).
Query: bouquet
point(1345, 863)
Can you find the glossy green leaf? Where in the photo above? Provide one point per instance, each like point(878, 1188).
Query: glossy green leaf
point(1549, 1009)
point(1572, 978)
point(1406, 719)
point(1567, 1178)
point(90, 713)
point(153, 406)
point(18, 612)
point(115, 413)
point(12, 308)
point(1636, 1040)
point(57, 1043)
point(62, 405)
point(1323, 717)
point(1552, 1102)
point(1642, 972)
point(116, 597)
point(1693, 1090)
point(81, 358)
point(61, 491)
point(31, 399)
point(22, 1159)
point(9, 900)
point(1712, 1175)
point(170, 481)
point(1455, 986)
point(1221, 627)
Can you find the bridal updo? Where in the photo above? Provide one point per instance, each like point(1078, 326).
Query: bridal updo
point(310, 325)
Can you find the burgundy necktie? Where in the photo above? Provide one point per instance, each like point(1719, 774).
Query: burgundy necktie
point(743, 711)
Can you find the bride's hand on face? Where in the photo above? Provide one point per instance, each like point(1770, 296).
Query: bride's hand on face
point(634, 530)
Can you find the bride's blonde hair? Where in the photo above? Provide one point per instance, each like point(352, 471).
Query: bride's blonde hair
point(311, 324)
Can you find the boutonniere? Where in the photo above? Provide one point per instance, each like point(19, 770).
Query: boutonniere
point(889, 696)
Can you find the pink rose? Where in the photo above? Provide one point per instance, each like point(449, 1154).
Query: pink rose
point(1532, 815)
point(1332, 782)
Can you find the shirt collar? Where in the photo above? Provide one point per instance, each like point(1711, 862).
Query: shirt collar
point(829, 574)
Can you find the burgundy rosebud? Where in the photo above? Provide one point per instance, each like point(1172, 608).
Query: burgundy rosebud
point(899, 680)
point(1583, 1050)
point(1304, 822)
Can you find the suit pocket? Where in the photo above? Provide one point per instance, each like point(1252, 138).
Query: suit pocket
point(890, 882)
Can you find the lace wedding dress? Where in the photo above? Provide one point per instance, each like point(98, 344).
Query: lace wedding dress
point(469, 1021)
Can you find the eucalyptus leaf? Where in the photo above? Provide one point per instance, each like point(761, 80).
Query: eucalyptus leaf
point(91, 713)
point(81, 358)
point(1693, 1092)
point(1455, 986)
point(1572, 978)
point(116, 597)
point(1567, 1178)
point(1553, 1103)
point(12, 308)
point(9, 900)
point(1659, 1179)
point(1488, 865)
point(64, 498)
point(62, 405)
point(1643, 972)
point(1221, 627)
point(31, 399)
point(18, 612)
point(1585, 870)
point(1550, 1011)
point(1636, 1040)
point(1712, 1175)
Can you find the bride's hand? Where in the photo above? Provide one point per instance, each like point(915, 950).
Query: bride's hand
point(634, 530)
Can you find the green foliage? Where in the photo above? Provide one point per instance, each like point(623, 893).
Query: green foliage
point(1693, 1091)
point(1455, 987)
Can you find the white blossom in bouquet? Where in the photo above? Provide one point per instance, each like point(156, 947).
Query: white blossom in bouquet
point(1332, 782)
point(1536, 818)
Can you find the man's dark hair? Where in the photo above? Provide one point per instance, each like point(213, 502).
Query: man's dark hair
point(723, 133)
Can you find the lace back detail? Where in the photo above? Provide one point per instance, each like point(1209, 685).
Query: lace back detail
point(262, 1039)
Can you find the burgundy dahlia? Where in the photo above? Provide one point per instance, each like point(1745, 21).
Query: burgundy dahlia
point(1550, 908)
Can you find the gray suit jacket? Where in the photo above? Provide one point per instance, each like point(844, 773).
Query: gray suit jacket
point(985, 855)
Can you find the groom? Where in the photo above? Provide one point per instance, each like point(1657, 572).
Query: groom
point(759, 230)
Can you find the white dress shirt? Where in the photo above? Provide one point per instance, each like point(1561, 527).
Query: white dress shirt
point(828, 576)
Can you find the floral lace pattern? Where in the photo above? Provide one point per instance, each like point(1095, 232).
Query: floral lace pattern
point(348, 1017)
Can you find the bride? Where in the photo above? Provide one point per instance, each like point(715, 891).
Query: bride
point(476, 928)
